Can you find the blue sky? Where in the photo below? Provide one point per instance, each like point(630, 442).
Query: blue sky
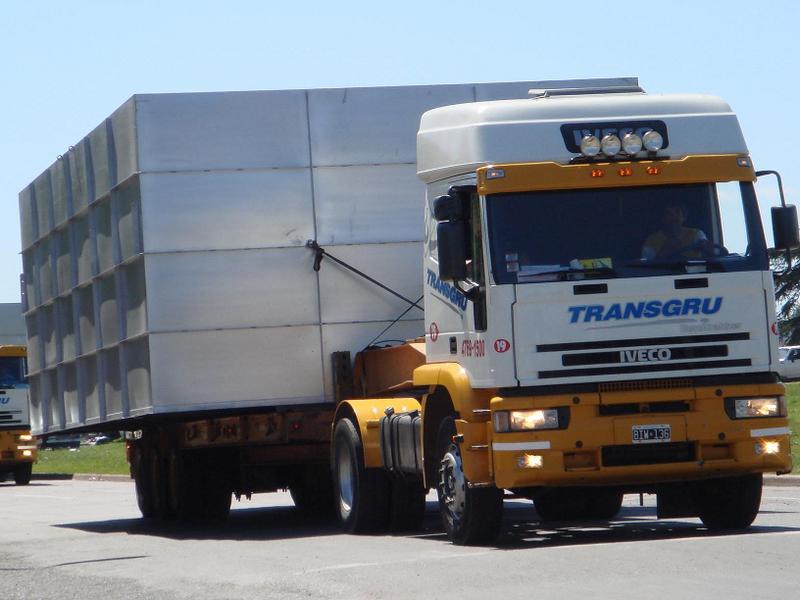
point(70, 64)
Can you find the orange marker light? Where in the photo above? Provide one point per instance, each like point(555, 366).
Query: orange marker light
point(598, 172)
point(625, 172)
point(653, 170)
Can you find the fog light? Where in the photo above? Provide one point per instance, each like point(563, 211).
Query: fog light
point(652, 140)
point(610, 145)
point(768, 447)
point(631, 143)
point(530, 461)
point(590, 145)
point(27, 453)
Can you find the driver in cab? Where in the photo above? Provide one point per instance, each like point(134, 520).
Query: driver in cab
point(674, 239)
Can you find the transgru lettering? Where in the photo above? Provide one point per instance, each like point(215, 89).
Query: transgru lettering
point(647, 310)
point(447, 290)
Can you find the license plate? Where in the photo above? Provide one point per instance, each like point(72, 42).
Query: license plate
point(651, 434)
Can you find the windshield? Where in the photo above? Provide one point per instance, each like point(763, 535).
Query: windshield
point(12, 371)
point(624, 232)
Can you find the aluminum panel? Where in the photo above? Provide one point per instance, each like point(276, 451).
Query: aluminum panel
point(365, 126)
point(113, 391)
point(109, 319)
point(54, 401)
point(83, 248)
point(49, 335)
point(135, 299)
point(62, 192)
point(102, 172)
point(227, 130)
point(91, 390)
point(36, 412)
point(374, 204)
point(86, 320)
point(231, 289)
point(128, 217)
point(137, 367)
point(72, 407)
point(123, 131)
point(355, 337)
point(29, 224)
point(63, 261)
point(43, 195)
point(218, 211)
point(243, 367)
point(346, 297)
point(105, 237)
point(82, 189)
point(66, 327)
point(44, 270)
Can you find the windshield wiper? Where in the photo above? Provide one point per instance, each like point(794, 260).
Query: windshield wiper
point(570, 271)
point(675, 264)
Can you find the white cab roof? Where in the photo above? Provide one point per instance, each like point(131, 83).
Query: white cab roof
point(457, 139)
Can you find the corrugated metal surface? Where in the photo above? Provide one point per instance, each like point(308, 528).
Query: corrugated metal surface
point(164, 253)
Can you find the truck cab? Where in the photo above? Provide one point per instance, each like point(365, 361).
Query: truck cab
point(18, 449)
point(599, 310)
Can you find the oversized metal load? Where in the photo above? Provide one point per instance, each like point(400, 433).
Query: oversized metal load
point(164, 255)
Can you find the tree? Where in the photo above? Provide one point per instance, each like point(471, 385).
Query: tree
point(787, 296)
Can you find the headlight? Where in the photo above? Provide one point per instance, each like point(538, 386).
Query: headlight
point(25, 437)
point(525, 420)
point(755, 408)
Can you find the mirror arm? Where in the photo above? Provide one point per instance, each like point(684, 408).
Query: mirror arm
point(471, 293)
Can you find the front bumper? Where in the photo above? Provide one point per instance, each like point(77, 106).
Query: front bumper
point(597, 446)
point(14, 451)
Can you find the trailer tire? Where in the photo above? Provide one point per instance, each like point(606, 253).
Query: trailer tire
point(729, 503)
point(183, 497)
point(313, 493)
point(361, 494)
point(407, 504)
point(141, 478)
point(470, 515)
point(158, 485)
point(214, 486)
point(22, 474)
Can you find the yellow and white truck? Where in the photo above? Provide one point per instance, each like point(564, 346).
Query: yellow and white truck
point(581, 271)
point(18, 450)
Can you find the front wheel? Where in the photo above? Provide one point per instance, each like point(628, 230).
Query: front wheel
point(22, 474)
point(469, 515)
point(730, 502)
point(361, 494)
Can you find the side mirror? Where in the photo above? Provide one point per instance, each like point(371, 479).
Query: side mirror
point(452, 245)
point(785, 230)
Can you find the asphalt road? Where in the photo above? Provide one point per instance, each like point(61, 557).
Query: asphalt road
point(84, 539)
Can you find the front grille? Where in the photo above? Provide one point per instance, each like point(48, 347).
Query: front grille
point(635, 408)
point(646, 384)
point(647, 454)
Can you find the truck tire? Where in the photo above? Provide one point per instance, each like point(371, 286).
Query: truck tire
point(158, 485)
point(361, 494)
point(579, 504)
point(22, 474)
point(407, 511)
point(214, 485)
point(470, 515)
point(730, 502)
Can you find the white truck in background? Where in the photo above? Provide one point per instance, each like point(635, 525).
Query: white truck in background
point(200, 269)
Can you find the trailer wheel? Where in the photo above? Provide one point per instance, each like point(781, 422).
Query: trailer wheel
point(22, 474)
point(141, 478)
point(214, 485)
point(182, 479)
point(407, 504)
point(361, 494)
point(313, 492)
point(730, 502)
point(158, 485)
point(470, 515)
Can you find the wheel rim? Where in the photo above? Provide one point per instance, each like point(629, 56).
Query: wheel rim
point(452, 483)
point(344, 468)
